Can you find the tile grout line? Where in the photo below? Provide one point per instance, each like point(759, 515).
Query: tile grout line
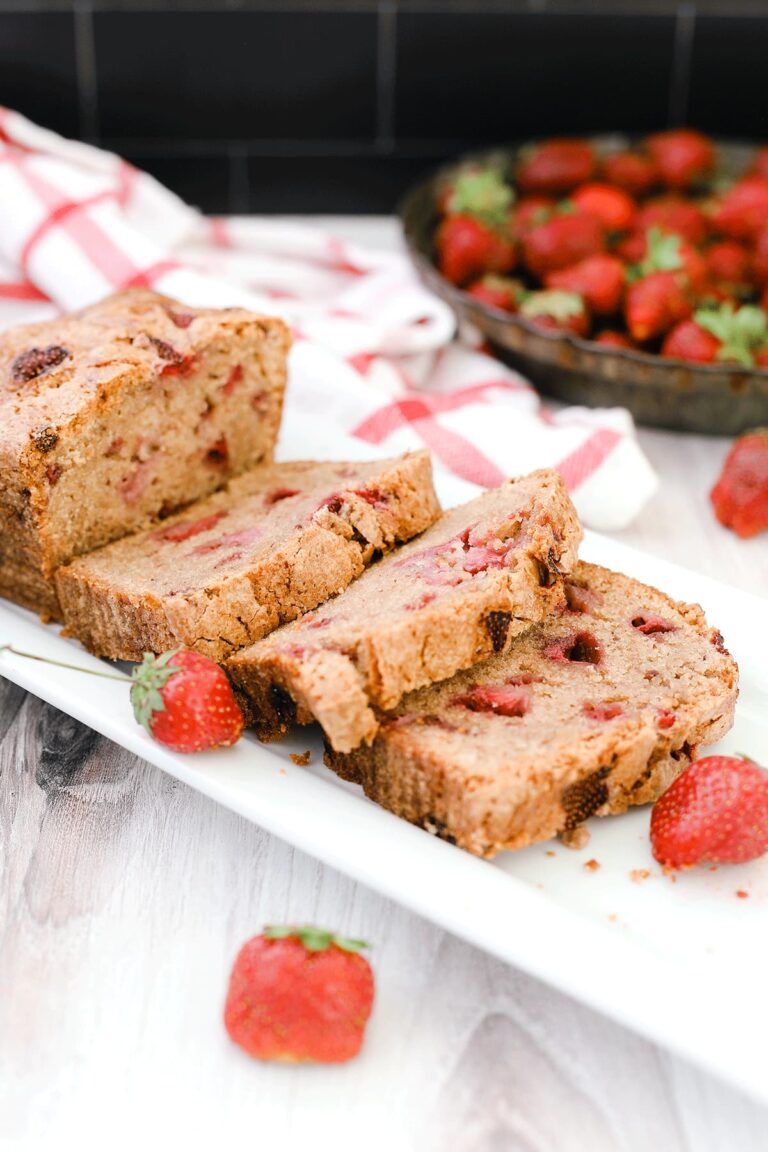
point(386, 71)
point(679, 89)
point(239, 197)
point(85, 65)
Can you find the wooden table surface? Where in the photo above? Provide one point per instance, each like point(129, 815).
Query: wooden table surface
point(124, 897)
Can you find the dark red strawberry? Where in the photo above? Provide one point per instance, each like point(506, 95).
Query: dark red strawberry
point(716, 812)
point(185, 701)
point(759, 165)
point(743, 210)
point(530, 211)
point(613, 339)
point(759, 267)
point(468, 248)
point(729, 264)
point(683, 157)
point(299, 994)
point(688, 341)
point(636, 173)
point(740, 496)
point(497, 291)
point(598, 279)
point(562, 240)
point(654, 304)
point(615, 210)
point(556, 166)
point(674, 215)
point(555, 309)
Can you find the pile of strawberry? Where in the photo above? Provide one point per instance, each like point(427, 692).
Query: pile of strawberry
point(646, 248)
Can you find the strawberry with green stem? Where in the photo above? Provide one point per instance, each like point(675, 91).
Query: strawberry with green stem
point(182, 698)
point(741, 332)
point(299, 993)
point(498, 292)
point(475, 238)
point(599, 280)
point(659, 295)
point(554, 167)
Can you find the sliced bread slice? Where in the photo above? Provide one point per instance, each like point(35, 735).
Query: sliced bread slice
point(273, 544)
point(481, 575)
point(596, 709)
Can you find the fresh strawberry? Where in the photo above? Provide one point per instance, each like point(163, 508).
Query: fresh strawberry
point(740, 497)
point(556, 166)
point(675, 215)
point(716, 812)
point(743, 210)
point(557, 309)
point(632, 247)
point(185, 701)
point(688, 341)
point(729, 264)
point(682, 156)
point(654, 304)
point(759, 165)
point(632, 171)
point(598, 279)
point(299, 994)
point(615, 210)
point(669, 253)
point(497, 291)
point(530, 211)
point(759, 267)
point(468, 249)
point(613, 339)
point(564, 239)
point(740, 330)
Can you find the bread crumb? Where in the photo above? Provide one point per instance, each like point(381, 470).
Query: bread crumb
point(549, 852)
point(575, 837)
point(637, 875)
point(300, 758)
point(282, 772)
point(742, 895)
point(613, 917)
point(592, 865)
point(45, 618)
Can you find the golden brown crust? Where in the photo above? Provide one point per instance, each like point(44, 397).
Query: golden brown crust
point(478, 578)
point(122, 411)
point(275, 543)
point(489, 782)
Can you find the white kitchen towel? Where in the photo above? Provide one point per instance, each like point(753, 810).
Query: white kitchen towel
point(375, 367)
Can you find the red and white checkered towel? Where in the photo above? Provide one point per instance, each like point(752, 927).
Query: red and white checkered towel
point(375, 367)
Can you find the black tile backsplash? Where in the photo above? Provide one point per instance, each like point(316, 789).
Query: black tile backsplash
point(237, 75)
point(338, 105)
point(38, 68)
point(500, 76)
point(728, 92)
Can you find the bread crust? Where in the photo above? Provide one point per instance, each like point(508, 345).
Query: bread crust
point(489, 782)
point(120, 412)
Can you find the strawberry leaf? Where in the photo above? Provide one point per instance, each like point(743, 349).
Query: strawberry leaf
point(740, 331)
point(149, 678)
point(314, 939)
point(483, 195)
point(662, 253)
point(561, 305)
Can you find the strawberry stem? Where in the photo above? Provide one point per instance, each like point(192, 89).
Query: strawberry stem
point(61, 664)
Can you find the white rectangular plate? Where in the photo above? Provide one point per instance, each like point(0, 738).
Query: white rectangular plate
point(683, 962)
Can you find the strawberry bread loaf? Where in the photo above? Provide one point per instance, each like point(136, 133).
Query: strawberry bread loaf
point(484, 573)
point(226, 571)
point(120, 413)
point(593, 710)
